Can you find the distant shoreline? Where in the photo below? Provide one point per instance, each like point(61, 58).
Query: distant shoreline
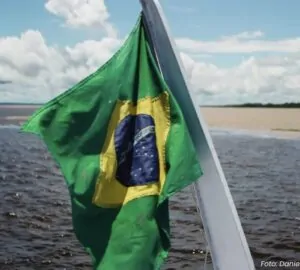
point(257, 105)
point(20, 104)
point(295, 105)
point(279, 120)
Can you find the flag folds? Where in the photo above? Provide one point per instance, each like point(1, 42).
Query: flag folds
point(123, 147)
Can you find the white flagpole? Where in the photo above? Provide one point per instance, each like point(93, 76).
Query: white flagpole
point(225, 236)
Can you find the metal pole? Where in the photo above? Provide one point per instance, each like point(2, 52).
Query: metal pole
point(229, 248)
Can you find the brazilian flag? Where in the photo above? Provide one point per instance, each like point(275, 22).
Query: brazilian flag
point(123, 147)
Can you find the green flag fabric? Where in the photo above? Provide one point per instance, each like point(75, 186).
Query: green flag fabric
point(123, 147)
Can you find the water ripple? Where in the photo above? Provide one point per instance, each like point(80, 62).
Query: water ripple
point(35, 218)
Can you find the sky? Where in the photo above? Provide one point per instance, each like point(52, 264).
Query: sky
point(234, 51)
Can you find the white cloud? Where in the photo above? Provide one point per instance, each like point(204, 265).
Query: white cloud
point(245, 42)
point(246, 35)
point(37, 71)
point(271, 79)
point(79, 13)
